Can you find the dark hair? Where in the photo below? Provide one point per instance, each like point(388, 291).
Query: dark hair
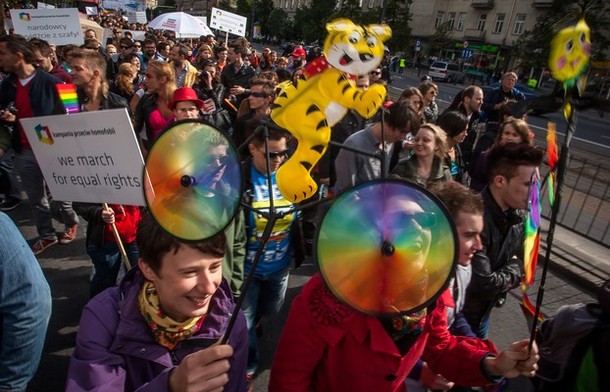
point(126, 42)
point(520, 127)
point(504, 159)
point(162, 45)
point(505, 110)
point(459, 97)
point(452, 122)
point(182, 50)
point(154, 243)
point(238, 48)
point(18, 44)
point(259, 139)
point(426, 86)
point(149, 41)
point(40, 45)
point(458, 198)
point(267, 85)
point(402, 116)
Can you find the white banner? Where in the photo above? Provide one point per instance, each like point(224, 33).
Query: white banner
point(44, 5)
point(89, 157)
point(59, 26)
point(124, 5)
point(226, 21)
point(91, 10)
point(137, 17)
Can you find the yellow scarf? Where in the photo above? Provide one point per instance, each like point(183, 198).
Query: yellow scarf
point(166, 331)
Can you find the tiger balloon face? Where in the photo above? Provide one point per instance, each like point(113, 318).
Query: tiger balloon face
point(570, 51)
point(355, 49)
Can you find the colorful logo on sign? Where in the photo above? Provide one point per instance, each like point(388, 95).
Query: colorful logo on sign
point(24, 16)
point(44, 134)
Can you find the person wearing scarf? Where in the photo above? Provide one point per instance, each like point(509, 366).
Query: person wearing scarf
point(159, 329)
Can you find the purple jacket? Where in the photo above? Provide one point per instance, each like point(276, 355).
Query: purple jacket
point(115, 350)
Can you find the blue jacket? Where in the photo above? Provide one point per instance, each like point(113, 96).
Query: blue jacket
point(25, 308)
point(44, 97)
point(495, 97)
point(115, 349)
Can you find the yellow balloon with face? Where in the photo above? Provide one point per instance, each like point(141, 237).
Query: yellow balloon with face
point(570, 52)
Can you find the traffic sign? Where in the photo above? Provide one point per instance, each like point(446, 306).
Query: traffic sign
point(465, 44)
point(418, 44)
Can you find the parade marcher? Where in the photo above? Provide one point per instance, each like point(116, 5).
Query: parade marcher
point(152, 113)
point(25, 309)
point(506, 92)
point(469, 102)
point(33, 93)
point(427, 165)
point(267, 290)
point(511, 131)
point(186, 74)
point(498, 268)
point(89, 73)
point(236, 75)
point(328, 346)
point(352, 168)
point(157, 330)
point(43, 59)
point(455, 125)
point(429, 91)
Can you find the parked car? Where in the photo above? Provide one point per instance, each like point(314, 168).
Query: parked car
point(446, 72)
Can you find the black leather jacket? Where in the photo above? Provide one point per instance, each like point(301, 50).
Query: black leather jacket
point(498, 267)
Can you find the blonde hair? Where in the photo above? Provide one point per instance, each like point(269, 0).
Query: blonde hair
point(440, 137)
point(161, 69)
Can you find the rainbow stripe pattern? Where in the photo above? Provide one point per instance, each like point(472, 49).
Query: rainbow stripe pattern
point(67, 94)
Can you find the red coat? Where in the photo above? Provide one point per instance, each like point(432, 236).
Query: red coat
point(328, 346)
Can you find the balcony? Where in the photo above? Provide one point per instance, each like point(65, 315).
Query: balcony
point(481, 4)
point(474, 34)
point(542, 3)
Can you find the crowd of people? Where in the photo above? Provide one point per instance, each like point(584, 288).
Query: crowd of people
point(157, 327)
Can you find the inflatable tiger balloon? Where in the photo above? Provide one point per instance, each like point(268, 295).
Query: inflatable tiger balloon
point(308, 107)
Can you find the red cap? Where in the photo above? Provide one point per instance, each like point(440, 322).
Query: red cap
point(185, 94)
point(298, 52)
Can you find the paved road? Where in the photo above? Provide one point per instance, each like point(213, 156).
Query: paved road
point(67, 268)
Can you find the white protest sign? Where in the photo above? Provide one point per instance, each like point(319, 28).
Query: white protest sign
point(89, 157)
point(226, 21)
point(58, 26)
point(137, 17)
point(42, 5)
point(91, 10)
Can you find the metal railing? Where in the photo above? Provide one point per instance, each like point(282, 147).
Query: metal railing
point(585, 206)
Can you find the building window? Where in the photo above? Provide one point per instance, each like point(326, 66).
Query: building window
point(451, 20)
point(499, 23)
point(439, 19)
point(371, 3)
point(460, 21)
point(292, 5)
point(481, 22)
point(519, 24)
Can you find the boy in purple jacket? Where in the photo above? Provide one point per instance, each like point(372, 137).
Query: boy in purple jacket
point(157, 330)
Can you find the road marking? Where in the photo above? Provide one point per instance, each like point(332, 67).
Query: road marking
point(575, 138)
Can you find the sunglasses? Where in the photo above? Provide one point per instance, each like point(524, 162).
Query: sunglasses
point(277, 154)
point(259, 95)
point(137, 46)
point(125, 47)
point(375, 73)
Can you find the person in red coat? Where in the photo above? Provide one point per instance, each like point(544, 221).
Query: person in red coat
point(327, 345)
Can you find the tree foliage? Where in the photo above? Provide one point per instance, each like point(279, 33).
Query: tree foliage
point(310, 21)
point(533, 47)
point(278, 24)
point(397, 16)
point(441, 38)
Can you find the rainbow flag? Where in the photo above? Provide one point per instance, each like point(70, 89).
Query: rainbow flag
point(67, 94)
point(552, 158)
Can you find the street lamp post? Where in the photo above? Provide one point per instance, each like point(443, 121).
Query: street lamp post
point(384, 5)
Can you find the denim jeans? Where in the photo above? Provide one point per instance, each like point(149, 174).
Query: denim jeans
point(264, 297)
point(25, 308)
point(34, 185)
point(10, 184)
point(107, 261)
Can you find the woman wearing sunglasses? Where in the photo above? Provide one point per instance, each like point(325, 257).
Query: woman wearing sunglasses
point(429, 91)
